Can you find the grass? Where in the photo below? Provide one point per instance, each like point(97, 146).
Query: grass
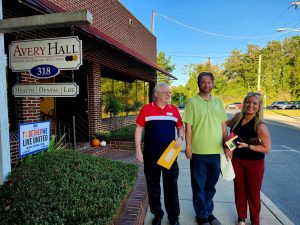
point(66, 187)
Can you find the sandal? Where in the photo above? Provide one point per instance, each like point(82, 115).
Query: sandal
point(241, 221)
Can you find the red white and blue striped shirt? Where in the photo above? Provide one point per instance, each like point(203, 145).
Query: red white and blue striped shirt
point(159, 127)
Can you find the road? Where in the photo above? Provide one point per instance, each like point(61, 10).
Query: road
point(281, 182)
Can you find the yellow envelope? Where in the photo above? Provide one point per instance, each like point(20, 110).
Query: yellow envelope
point(170, 154)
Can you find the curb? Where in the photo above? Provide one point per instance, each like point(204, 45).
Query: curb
point(282, 218)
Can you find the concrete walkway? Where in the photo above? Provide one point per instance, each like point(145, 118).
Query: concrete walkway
point(224, 202)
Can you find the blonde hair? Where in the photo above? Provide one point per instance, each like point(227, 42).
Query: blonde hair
point(259, 116)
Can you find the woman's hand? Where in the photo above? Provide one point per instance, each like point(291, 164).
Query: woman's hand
point(242, 145)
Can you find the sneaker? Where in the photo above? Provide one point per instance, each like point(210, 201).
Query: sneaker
point(213, 220)
point(202, 221)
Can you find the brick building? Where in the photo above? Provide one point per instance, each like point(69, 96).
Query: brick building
point(115, 47)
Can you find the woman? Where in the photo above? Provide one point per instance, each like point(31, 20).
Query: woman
point(248, 158)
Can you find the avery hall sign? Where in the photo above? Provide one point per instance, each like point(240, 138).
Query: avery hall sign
point(64, 53)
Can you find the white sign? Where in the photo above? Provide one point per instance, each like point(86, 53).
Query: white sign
point(46, 90)
point(65, 53)
point(33, 137)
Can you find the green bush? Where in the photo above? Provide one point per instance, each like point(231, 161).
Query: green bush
point(126, 133)
point(65, 187)
point(103, 135)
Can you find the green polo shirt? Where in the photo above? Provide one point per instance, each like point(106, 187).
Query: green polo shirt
point(206, 118)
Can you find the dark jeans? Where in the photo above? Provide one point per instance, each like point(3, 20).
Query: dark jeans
point(205, 171)
point(170, 177)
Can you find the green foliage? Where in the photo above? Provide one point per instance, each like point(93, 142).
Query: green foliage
point(131, 108)
point(104, 135)
point(66, 187)
point(137, 105)
point(54, 146)
point(165, 63)
point(126, 133)
point(280, 73)
point(179, 94)
point(112, 105)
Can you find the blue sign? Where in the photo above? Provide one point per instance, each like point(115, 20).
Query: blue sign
point(44, 71)
point(33, 137)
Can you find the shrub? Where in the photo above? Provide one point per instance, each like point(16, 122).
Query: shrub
point(126, 133)
point(65, 187)
point(103, 135)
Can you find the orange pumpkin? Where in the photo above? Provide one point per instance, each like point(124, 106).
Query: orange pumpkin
point(95, 142)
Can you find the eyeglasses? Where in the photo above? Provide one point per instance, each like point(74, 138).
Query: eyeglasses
point(249, 94)
point(165, 92)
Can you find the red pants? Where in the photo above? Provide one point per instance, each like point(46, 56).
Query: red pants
point(247, 186)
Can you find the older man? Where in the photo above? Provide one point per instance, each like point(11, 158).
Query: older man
point(159, 119)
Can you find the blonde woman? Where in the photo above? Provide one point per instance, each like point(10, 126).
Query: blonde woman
point(248, 157)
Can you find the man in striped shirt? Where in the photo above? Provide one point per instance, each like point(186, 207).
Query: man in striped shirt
point(159, 120)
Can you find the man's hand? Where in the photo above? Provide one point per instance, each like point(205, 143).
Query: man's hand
point(228, 153)
point(138, 138)
point(188, 153)
point(139, 156)
point(179, 141)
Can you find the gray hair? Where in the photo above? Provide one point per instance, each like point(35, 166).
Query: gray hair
point(159, 85)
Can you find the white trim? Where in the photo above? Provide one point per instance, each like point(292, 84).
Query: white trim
point(150, 118)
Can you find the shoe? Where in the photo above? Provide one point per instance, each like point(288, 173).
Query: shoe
point(241, 221)
point(202, 221)
point(175, 222)
point(157, 220)
point(213, 220)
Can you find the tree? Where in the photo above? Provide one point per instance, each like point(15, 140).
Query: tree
point(179, 94)
point(165, 63)
point(280, 72)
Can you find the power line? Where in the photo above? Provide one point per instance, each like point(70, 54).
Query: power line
point(215, 34)
point(197, 52)
point(271, 22)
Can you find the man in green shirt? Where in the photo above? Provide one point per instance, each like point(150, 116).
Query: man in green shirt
point(204, 117)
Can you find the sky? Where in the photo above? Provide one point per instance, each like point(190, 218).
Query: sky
point(190, 31)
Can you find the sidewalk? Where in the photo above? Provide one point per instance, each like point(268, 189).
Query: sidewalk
point(287, 120)
point(224, 202)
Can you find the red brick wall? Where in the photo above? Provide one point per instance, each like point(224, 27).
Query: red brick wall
point(94, 99)
point(112, 18)
point(28, 109)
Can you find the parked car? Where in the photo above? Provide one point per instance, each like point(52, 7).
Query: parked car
point(181, 106)
point(235, 105)
point(292, 105)
point(278, 105)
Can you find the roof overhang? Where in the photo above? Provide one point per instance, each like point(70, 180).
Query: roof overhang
point(49, 7)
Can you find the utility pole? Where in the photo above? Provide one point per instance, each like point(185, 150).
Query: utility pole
point(208, 63)
point(258, 76)
point(296, 4)
point(152, 22)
